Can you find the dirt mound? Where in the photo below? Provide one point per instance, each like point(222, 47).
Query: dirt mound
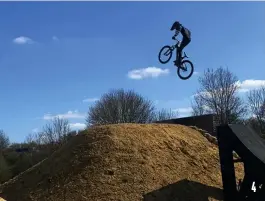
point(125, 162)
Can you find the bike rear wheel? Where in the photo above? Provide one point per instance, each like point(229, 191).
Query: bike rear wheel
point(186, 64)
point(167, 52)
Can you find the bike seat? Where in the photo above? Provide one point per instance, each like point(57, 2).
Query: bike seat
point(185, 56)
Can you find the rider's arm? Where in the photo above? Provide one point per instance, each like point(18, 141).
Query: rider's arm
point(176, 33)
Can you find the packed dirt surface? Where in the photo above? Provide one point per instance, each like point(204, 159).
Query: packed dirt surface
point(125, 162)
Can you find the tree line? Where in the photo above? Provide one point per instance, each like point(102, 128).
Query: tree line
point(218, 93)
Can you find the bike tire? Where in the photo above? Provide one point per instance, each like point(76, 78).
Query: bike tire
point(167, 48)
point(191, 72)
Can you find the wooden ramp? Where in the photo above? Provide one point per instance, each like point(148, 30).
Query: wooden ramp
point(251, 148)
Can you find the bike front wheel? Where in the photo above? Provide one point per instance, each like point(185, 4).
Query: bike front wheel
point(187, 66)
point(165, 54)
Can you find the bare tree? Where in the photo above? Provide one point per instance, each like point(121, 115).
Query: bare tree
point(164, 114)
point(217, 95)
point(39, 138)
point(4, 140)
point(30, 138)
point(120, 106)
point(256, 103)
point(55, 131)
point(198, 107)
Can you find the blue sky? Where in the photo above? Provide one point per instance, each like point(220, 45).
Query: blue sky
point(55, 55)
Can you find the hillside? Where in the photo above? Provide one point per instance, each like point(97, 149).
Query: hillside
point(125, 162)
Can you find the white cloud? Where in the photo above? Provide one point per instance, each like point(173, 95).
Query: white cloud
point(35, 130)
point(55, 38)
point(21, 40)
point(156, 102)
point(69, 115)
point(247, 85)
point(183, 110)
point(195, 73)
point(77, 126)
point(206, 108)
point(203, 93)
point(244, 86)
point(148, 72)
point(90, 100)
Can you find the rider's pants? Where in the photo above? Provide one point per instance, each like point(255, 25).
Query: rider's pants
point(185, 41)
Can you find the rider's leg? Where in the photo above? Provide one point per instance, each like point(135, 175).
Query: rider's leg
point(177, 57)
point(180, 54)
point(185, 41)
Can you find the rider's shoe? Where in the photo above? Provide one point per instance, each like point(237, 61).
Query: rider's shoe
point(177, 63)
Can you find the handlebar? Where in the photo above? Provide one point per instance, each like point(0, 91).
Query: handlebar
point(174, 38)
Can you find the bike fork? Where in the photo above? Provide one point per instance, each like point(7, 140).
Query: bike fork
point(177, 58)
point(181, 67)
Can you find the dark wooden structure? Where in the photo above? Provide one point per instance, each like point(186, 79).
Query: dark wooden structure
point(206, 122)
point(251, 149)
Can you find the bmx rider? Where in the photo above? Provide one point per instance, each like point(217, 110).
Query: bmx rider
point(186, 38)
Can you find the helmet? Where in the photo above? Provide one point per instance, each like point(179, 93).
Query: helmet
point(176, 25)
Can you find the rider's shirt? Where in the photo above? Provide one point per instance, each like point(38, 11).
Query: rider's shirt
point(185, 32)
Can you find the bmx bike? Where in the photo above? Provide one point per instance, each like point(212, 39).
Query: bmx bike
point(167, 51)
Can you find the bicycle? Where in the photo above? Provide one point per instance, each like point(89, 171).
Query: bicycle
point(183, 63)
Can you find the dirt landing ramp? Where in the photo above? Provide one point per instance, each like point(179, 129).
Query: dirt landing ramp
point(125, 162)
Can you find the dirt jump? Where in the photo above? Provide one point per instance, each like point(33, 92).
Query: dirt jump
point(125, 162)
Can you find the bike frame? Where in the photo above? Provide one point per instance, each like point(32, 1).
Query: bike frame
point(176, 46)
point(173, 47)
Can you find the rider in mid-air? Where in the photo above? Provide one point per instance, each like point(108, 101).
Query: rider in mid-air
point(186, 38)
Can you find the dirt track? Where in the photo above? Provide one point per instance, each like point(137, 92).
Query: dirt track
point(126, 162)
